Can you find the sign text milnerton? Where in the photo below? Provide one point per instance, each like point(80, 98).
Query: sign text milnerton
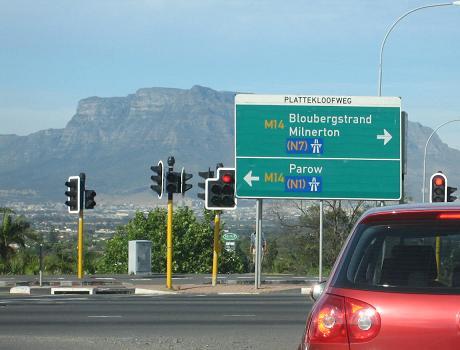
point(318, 147)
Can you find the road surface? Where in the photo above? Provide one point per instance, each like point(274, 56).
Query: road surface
point(173, 322)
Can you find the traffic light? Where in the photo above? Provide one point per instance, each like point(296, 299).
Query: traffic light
point(438, 188)
point(184, 177)
point(90, 203)
point(73, 194)
point(220, 191)
point(158, 179)
point(173, 182)
point(205, 175)
point(450, 191)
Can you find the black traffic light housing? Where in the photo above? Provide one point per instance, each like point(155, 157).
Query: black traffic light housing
point(205, 175)
point(73, 194)
point(158, 179)
point(173, 182)
point(220, 191)
point(438, 188)
point(450, 191)
point(90, 202)
point(184, 177)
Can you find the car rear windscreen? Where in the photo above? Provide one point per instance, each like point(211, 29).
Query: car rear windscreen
point(418, 257)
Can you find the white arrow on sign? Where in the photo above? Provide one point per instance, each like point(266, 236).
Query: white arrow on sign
point(249, 178)
point(386, 137)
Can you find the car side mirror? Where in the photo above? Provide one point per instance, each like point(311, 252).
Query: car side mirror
point(317, 290)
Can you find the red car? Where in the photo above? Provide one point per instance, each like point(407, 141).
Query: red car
point(395, 285)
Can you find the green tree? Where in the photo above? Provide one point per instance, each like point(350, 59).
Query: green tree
point(192, 243)
point(15, 231)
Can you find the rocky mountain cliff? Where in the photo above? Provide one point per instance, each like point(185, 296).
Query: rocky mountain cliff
point(116, 140)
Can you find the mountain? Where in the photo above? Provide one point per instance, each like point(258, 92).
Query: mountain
point(115, 140)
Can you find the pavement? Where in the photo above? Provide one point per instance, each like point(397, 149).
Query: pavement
point(153, 285)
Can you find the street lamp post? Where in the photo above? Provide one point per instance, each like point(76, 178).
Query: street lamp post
point(391, 28)
point(424, 154)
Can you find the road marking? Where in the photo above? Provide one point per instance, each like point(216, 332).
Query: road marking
point(240, 293)
point(105, 316)
point(141, 279)
point(105, 278)
point(240, 315)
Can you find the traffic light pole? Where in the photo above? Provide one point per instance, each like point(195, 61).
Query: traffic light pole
point(80, 272)
point(80, 244)
point(215, 255)
point(169, 243)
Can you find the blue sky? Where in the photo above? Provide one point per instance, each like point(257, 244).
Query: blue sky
point(54, 53)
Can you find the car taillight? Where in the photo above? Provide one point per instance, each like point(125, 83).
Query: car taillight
point(363, 320)
point(328, 324)
point(341, 320)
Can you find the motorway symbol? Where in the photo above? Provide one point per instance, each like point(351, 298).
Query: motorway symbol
point(318, 147)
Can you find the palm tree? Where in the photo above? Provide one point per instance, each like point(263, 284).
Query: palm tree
point(13, 231)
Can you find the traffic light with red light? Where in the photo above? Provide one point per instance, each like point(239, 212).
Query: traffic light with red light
point(73, 194)
point(438, 188)
point(220, 191)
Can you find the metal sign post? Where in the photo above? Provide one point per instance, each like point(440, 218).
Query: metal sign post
point(258, 247)
point(320, 274)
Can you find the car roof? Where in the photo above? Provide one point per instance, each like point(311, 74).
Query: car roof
point(410, 208)
point(415, 207)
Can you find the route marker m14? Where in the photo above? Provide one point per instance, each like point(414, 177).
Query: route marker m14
point(318, 147)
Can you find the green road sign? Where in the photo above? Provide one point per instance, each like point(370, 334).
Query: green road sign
point(229, 236)
point(318, 147)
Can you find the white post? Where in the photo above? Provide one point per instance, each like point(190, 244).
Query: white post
point(258, 259)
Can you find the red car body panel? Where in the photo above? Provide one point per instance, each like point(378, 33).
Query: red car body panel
point(411, 321)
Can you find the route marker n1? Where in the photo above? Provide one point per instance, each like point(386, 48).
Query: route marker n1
point(318, 147)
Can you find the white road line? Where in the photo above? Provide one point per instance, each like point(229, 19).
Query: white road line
point(241, 293)
point(105, 316)
point(239, 315)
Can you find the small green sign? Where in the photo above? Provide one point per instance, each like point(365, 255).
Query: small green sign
point(318, 147)
point(229, 236)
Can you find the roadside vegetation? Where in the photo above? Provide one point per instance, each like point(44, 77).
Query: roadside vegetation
point(292, 248)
